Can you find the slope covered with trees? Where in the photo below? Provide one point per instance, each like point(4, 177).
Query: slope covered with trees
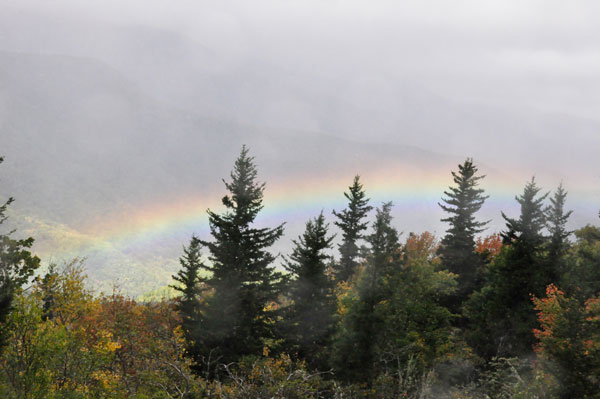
point(404, 315)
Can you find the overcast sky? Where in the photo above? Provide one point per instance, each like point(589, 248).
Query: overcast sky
point(541, 54)
point(151, 84)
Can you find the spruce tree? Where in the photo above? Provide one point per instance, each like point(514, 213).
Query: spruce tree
point(527, 230)
point(309, 320)
point(384, 246)
point(355, 351)
point(351, 222)
point(237, 316)
point(188, 304)
point(502, 312)
point(17, 265)
point(457, 248)
point(558, 243)
point(556, 221)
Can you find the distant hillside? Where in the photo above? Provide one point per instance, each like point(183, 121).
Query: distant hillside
point(103, 135)
point(177, 70)
point(82, 144)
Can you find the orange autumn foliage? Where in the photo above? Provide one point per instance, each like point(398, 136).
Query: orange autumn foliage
point(491, 245)
point(421, 246)
point(568, 326)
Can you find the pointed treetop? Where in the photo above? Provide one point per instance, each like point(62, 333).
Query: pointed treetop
point(245, 198)
point(556, 220)
point(384, 240)
point(309, 247)
point(532, 219)
point(309, 258)
point(351, 222)
point(350, 218)
point(463, 200)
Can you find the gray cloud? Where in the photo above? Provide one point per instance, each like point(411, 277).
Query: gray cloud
point(540, 54)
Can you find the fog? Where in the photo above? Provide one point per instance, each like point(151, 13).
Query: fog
point(366, 71)
point(536, 54)
point(106, 106)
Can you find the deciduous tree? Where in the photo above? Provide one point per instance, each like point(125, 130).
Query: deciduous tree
point(17, 265)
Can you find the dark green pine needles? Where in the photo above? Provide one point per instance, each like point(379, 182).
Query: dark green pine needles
point(351, 222)
point(309, 320)
point(237, 317)
point(355, 356)
point(502, 313)
point(188, 304)
point(457, 248)
point(556, 221)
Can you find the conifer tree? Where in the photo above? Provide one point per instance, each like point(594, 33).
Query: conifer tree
point(457, 248)
point(503, 312)
point(558, 243)
point(527, 230)
point(384, 246)
point(188, 304)
point(238, 317)
point(355, 351)
point(350, 221)
point(17, 265)
point(309, 319)
point(556, 220)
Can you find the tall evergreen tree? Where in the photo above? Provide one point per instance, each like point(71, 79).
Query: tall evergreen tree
point(502, 312)
point(384, 247)
point(188, 304)
point(309, 319)
point(237, 316)
point(556, 221)
point(457, 248)
point(355, 352)
point(17, 265)
point(527, 230)
point(558, 243)
point(351, 222)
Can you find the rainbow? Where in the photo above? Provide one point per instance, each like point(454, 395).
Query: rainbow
point(283, 202)
point(412, 189)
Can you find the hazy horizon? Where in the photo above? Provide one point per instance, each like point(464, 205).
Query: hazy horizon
point(118, 120)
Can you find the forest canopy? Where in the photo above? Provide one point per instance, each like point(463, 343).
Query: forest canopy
point(382, 314)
